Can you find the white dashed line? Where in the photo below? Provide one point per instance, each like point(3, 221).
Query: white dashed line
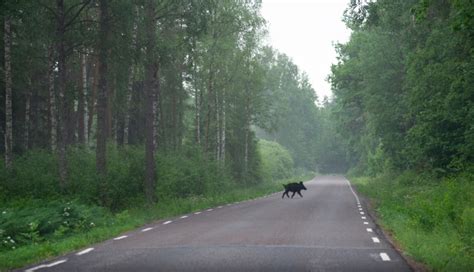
point(184, 216)
point(360, 209)
point(120, 237)
point(366, 223)
point(361, 212)
point(228, 204)
point(167, 222)
point(375, 240)
point(384, 257)
point(46, 265)
point(363, 217)
point(219, 207)
point(147, 229)
point(197, 213)
point(210, 210)
point(369, 230)
point(84, 251)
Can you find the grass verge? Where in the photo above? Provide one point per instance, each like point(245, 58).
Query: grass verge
point(431, 219)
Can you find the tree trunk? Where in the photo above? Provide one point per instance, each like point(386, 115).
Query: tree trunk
point(126, 124)
point(52, 100)
point(81, 105)
point(222, 149)
point(60, 47)
point(218, 128)
point(92, 101)
point(8, 94)
point(26, 132)
point(101, 163)
point(131, 79)
point(151, 74)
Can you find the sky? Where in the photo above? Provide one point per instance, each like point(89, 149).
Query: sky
point(306, 30)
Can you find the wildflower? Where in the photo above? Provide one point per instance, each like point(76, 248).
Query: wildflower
point(92, 224)
point(4, 212)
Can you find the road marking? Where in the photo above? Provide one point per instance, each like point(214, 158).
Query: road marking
point(147, 229)
point(357, 198)
point(219, 207)
point(363, 217)
point(84, 251)
point(228, 204)
point(184, 216)
point(197, 212)
point(361, 212)
point(375, 240)
point(167, 222)
point(369, 230)
point(360, 209)
point(120, 237)
point(384, 257)
point(366, 223)
point(46, 265)
point(210, 210)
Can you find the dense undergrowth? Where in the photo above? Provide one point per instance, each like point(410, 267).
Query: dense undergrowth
point(38, 219)
point(432, 218)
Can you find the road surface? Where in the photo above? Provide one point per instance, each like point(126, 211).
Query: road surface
point(326, 230)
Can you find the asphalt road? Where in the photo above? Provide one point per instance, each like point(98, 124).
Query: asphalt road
point(326, 230)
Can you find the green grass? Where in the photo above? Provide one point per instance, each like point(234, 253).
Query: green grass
point(432, 219)
point(131, 219)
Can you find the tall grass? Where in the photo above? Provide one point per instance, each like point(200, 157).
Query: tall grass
point(433, 219)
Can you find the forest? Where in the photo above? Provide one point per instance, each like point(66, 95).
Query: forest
point(404, 107)
point(116, 113)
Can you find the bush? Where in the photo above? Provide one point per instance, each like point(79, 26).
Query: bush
point(34, 221)
point(277, 162)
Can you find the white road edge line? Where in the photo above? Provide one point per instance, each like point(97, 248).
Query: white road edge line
point(167, 222)
point(375, 240)
point(147, 229)
point(369, 230)
point(197, 213)
point(219, 207)
point(46, 265)
point(363, 217)
point(210, 210)
point(120, 237)
point(357, 198)
point(384, 257)
point(361, 212)
point(360, 209)
point(184, 216)
point(366, 223)
point(87, 250)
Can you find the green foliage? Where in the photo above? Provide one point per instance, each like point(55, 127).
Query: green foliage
point(277, 162)
point(34, 221)
point(403, 86)
point(431, 218)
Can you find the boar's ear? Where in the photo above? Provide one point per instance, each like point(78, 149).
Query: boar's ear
point(301, 182)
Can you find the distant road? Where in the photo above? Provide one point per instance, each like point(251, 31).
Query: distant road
point(324, 231)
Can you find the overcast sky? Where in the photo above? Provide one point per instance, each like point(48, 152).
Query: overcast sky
point(305, 30)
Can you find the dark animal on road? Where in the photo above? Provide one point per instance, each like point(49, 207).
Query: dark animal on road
point(294, 188)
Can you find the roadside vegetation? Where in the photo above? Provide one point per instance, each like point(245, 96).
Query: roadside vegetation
point(38, 221)
point(404, 109)
point(431, 218)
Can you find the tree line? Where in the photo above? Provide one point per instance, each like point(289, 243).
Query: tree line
point(403, 86)
point(164, 75)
